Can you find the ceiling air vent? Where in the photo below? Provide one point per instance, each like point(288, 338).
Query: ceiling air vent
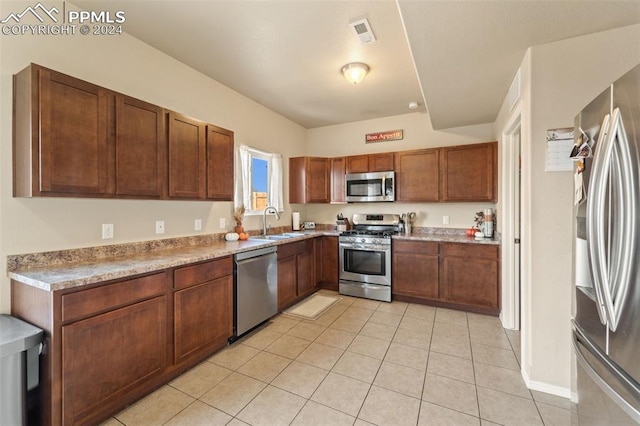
point(363, 31)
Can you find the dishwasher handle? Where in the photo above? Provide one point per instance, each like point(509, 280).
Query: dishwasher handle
point(245, 255)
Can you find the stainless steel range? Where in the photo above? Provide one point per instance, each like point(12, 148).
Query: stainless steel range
point(365, 256)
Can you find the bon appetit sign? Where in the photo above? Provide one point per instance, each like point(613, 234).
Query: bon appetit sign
point(386, 136)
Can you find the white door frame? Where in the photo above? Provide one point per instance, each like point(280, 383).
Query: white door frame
point(511, 134)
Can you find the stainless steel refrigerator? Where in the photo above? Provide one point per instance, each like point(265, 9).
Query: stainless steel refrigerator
point(606, 321)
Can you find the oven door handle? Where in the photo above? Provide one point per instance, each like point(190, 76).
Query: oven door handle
point(367, 247)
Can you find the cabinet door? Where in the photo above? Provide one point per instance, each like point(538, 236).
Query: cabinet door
point(203, 317)
point(140, 148)
point(317, 180)
point(305, 279)
point(109, 355)
point(470, 281)
point(417, 175)
point(381, 162)
point(219, 164)
point(297, 180)
point(415, 269)
point(75, 150)
point(187, 157)
point(358, 164)
point(338, 170)
point(468, 172)
point(330, 262)
point(287, 277)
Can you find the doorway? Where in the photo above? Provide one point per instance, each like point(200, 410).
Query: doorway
point(512, 224)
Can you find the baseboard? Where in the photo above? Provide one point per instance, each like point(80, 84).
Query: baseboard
point(546, 387)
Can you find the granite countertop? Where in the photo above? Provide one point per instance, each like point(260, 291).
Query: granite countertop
point(448, 238)
point(78, 271)
point(52, 271)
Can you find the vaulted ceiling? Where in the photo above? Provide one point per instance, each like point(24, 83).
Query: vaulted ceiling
point(455, 58)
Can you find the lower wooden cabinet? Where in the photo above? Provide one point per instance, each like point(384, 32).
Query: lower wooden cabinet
point(107, 356)
point(470, 276)
point(296, 277)
point(458, 275)
point(203, 308)
point(326, 252)
point(415, 269)
point(110, 344)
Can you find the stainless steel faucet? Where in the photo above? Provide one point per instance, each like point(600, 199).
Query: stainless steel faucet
point(264, 217)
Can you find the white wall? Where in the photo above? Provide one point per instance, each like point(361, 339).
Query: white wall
point(565, 76)
point(124, 64)
point(349, 139)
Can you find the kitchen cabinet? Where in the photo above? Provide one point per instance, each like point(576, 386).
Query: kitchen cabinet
point(61, 138)
point(469, 172)
point(296, 278)
point(74, 138)
point(417, 175)
point(203, 306)
point(187, 157)
point(382, 162)
point(141, 147)
point(470, 276)
point(326, 262)
point(219, 163)
point(415, 269)
point(124, 323)
point(309, 180)
point(338, 171)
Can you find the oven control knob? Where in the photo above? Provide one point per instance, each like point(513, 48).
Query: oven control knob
point(362, 240)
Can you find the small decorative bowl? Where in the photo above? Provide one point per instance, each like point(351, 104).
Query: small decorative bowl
point(231, 236)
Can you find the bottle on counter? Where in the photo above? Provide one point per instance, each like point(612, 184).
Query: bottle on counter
point(488, 223)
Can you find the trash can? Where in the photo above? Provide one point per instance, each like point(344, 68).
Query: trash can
point(20, 344)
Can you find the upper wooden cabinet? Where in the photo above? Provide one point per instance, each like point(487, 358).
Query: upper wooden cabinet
point(141, 146)
point(187, 157)
point(309, 180)
point(468, 172)
point(382, 162)
point(338, 171)
point(219, 163)
point(417, 176)
point(74, 138)
point(61, 138)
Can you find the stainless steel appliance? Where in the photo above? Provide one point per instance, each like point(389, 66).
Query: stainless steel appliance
point(365, 256)
point(370, 187)
point(256, 288)
point(606, 323)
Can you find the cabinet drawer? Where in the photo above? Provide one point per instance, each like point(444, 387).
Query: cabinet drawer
point(196, 274)
point(421, 247)
point(85, 303)
point(290, 249)
point(470, 250)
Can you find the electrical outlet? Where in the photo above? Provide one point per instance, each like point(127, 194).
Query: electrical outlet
point(107, 231)
point(198, 225)
point(159, 226)
point(223, 223)
point(445, 220)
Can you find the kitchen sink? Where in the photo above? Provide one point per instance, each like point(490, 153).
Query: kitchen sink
point(276, 237)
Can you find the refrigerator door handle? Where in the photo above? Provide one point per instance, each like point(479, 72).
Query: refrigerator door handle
point(595, 220)
point(615, 287)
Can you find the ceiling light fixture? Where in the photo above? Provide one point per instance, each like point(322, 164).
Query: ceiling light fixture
point(355, 72)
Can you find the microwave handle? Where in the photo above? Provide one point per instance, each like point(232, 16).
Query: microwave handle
point(384, 186)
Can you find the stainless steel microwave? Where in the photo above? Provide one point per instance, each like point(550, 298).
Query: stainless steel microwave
point(370, 187)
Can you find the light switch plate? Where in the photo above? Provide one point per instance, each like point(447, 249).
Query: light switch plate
point(159, 226)
point(198, 225)
point(445, 220)
point(223, 223)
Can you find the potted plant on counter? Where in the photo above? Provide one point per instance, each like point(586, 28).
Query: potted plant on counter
point(238, 217)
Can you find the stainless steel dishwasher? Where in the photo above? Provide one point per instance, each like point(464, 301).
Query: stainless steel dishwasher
point(255, 289)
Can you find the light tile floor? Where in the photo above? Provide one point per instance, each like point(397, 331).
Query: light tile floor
point(362, 362)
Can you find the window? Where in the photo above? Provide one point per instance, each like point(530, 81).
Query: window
point(258, 180)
